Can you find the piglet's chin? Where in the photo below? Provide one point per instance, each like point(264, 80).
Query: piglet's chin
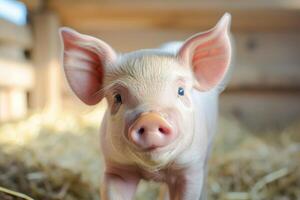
point(154, 159)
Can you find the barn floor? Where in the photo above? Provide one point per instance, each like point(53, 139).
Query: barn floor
point(50, 158)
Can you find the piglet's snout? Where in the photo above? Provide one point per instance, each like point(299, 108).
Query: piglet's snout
point(151, 131)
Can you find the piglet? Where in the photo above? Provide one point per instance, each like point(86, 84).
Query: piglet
point(162, 107)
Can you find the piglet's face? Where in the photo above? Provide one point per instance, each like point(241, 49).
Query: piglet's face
point(150, 117)
point(150, 105)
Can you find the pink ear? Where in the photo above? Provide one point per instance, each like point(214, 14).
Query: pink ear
point(84, 61)
point(208, 54)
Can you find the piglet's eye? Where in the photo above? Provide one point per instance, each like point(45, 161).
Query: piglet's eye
point(118, 99)
point(180, 91)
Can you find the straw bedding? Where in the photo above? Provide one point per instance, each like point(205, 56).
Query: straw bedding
point(48, 157)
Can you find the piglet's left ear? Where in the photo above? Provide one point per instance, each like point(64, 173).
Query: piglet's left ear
point(208, 54)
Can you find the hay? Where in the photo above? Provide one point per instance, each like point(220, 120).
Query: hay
point(57, 157)
point(41, 182)
point(10, 193)
point(261, 166)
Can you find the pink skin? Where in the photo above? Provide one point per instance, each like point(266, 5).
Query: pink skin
point(150, 130)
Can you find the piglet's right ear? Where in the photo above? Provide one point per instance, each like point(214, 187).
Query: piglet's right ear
point(84, 61)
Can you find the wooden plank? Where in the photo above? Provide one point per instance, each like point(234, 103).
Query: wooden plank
point(46, 55)
point(11, 33)
point(266, 60)
point(12, 51)
point(17, 74)
point(192, 15)
point(262, 110)
point(130, 40)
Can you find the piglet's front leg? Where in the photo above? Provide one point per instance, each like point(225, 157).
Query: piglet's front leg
point(187, 186)
point(118, 186)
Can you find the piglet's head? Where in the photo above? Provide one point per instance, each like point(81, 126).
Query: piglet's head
point(150, 117)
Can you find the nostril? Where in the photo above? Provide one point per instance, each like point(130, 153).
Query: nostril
point(141, 131)
point(163, 130)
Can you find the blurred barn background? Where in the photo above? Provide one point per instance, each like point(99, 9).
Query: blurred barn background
point(263, 94)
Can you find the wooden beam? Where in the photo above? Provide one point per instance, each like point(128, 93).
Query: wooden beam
point(16, 74)
point(46, 55)
point(33, 5)
point(193, 15)
point(11, 33)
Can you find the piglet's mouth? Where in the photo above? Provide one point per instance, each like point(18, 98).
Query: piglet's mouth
point(152, 148)
point(150, 131)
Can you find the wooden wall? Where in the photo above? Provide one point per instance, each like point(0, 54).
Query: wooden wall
point(16, 71)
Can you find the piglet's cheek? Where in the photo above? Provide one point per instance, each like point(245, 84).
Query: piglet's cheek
point(114, 108)
point(185, 100)
point(174, 118)
point(129, 119)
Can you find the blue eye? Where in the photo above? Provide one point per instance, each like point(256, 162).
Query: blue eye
point(180, 91)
